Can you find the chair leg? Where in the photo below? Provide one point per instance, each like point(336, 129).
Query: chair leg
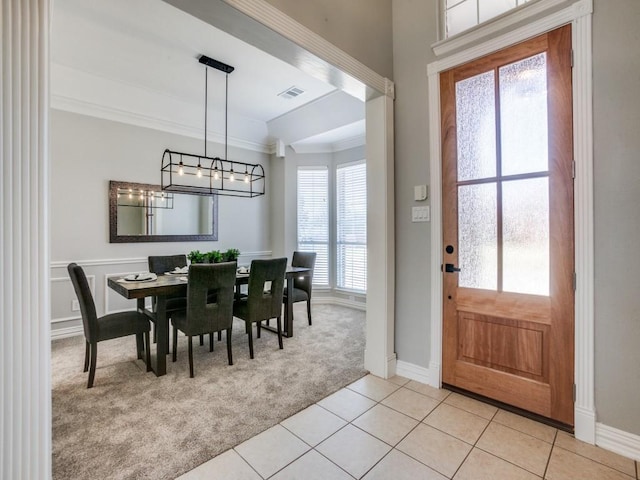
point(201, 340)
point(139, 345)
point(279, 323)
point(219, 335)
point(309, 310)
point(175, 344)
point(190, 357)
point(92, 367)
point(211, 341)
point(229, 354)
point(155, 333)
point(148, 350)
point(250, 332)
point(86, 357)
point(258, 325)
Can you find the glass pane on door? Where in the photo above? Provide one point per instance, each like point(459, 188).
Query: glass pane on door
point(478, 236)
point(525, 247)
point(476, 129)
point(523, 116)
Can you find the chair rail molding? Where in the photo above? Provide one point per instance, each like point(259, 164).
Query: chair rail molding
point(25, 347)
point(579, 15)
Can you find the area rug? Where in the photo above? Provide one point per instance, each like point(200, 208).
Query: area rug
point(134, 425)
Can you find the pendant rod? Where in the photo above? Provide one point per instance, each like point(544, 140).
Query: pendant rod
point(226, 114)
point(206, 84)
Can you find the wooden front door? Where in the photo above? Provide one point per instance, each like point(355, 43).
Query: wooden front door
point(508, 326)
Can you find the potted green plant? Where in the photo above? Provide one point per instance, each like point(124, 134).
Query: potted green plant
point(231, 255)
point(214, 256)
point(195, 256)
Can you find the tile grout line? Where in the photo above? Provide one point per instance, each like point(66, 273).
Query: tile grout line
point(245, 461)
point(473, 445)
point(405, 436)
point(553, 446)
point(599, 462)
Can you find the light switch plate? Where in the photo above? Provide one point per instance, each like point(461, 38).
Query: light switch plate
point(420, 193)
point(420, 214)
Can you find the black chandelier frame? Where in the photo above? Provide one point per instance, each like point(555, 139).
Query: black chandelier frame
point(213, 175)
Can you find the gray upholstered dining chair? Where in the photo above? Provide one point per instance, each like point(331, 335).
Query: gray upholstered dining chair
point(107, 327)
point(161, 264)
point(302, 285)
point(260, 304)
point(209, 306)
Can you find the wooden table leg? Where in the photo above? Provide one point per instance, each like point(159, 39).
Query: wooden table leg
point(288, 316)
point(162, 324)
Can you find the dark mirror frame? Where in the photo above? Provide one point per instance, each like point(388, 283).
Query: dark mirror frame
point(113, 219)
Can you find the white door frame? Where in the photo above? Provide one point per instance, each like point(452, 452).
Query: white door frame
point(579, 15)
point(378, 92)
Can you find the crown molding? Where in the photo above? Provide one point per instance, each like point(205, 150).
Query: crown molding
point(85, 93)
point(333, 147)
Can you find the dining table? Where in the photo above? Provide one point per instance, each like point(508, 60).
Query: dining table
point(169, 285)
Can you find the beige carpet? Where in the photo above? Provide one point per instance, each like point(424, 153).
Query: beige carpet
point(135, 425)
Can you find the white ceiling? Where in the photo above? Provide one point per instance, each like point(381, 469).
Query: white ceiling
point(138, 60)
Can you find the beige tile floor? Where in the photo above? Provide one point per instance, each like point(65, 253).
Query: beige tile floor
point(398, 429)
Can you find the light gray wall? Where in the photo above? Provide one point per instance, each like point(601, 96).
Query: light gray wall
point(415, 28)
point(361, 28)
point(616, 101)
point(87, 152)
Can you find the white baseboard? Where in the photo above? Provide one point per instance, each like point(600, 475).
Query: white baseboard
point(413, 372)
point(584, 420)
point(620, 442)
point(392, 365)
point(67, 332)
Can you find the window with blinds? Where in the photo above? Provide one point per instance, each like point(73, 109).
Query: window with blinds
point(313, 219)
point(351, 225)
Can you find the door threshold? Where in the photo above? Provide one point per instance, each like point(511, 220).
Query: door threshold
point(510, 408)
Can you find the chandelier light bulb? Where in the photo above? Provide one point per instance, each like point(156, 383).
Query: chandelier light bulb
point(199, 172)
point(246, 177)
point(180, 168)
point(232, 177)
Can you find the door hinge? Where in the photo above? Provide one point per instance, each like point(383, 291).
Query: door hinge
point(575, 281)
point(573, 169)
point(574, 393)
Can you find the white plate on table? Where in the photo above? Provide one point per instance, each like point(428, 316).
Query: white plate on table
point(178, 271)
point(141, 277)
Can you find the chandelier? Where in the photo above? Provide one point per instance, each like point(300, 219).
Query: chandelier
point(203, 175)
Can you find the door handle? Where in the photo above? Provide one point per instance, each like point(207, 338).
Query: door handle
point(450, 268)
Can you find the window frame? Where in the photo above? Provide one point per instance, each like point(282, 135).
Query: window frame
point(326, 170)
point(337, 242)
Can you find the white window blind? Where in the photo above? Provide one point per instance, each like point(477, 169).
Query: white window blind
point(351, 220)
point(313, 219)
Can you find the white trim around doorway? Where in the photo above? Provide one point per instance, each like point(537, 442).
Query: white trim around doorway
point(579, 15)
point(380, 358)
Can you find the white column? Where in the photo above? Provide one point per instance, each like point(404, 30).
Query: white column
point(584, 409)
point(25, 371)
point(379, 355)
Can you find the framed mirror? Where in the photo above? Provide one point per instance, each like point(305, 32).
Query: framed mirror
point(140, 212)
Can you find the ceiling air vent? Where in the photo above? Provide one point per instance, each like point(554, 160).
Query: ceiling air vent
point(291, 92)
